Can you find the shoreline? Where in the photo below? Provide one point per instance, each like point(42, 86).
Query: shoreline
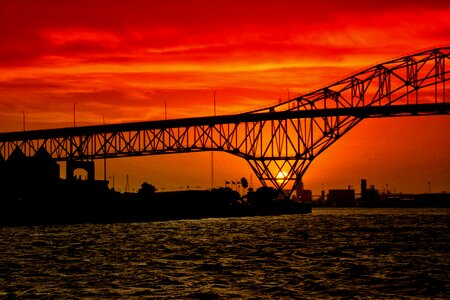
point(113, 207)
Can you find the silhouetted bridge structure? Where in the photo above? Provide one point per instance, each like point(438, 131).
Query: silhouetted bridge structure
point(279, 142)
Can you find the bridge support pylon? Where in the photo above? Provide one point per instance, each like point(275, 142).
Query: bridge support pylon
point(282, 174)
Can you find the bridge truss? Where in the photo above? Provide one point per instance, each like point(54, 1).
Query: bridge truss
point(279, 142)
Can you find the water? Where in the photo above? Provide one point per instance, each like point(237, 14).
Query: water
point(332, 253)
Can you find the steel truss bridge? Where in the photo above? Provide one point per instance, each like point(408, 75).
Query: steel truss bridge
point(279, 142)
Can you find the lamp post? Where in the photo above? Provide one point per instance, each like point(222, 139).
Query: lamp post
point(104, 158)
point(74, 113)
point(214, 103)
point(212, 152)
point(165, 109)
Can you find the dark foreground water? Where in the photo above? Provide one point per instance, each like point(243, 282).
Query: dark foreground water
point(332, 253)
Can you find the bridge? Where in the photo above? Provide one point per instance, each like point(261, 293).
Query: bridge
point(279, 142)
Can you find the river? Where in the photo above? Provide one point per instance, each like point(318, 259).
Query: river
point(331, 253)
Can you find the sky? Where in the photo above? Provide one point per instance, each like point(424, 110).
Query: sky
point(121, 61)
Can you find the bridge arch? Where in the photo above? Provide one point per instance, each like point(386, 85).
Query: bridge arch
point(280, 139)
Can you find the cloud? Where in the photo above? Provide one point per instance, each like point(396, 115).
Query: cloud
point(136, 54)
point(203, 31)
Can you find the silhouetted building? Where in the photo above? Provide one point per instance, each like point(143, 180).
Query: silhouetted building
point(21, 175)
point(305, 196)
point(320, 200)
point(363, 189)
point(341, 198)
point(302, 194)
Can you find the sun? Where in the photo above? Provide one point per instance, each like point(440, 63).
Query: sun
point(282, 177)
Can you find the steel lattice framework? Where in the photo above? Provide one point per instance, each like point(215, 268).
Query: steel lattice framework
point(279, 141)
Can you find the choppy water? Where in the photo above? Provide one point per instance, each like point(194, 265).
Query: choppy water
point(332, 253)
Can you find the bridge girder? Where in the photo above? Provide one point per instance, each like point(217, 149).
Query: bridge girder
point(279, 141)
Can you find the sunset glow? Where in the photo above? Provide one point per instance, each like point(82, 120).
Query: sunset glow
point(281, 177)
point(122, 61)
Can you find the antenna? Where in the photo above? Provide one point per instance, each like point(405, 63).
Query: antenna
point(104, 159)
point(212, 152)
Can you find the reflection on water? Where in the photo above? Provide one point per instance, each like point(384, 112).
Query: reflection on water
point(332, 253)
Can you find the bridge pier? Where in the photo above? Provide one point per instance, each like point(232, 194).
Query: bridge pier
point(88, 166)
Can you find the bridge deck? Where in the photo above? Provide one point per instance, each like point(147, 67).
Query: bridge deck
point(359, 112)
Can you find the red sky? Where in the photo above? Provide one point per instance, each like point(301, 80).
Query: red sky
point(120, 60)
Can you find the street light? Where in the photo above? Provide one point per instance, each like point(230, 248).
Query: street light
point(214, 103)
point(74, 113)
point(165, 109)
point(212, 152)
point(104, 158)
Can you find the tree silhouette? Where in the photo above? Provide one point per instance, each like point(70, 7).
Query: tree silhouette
point(146, 190)
point(244, 182)
point(263, 196)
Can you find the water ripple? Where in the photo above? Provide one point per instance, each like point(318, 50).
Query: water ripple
point(347, 253)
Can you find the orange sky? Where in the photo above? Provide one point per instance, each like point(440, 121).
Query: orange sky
point(120, 60)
